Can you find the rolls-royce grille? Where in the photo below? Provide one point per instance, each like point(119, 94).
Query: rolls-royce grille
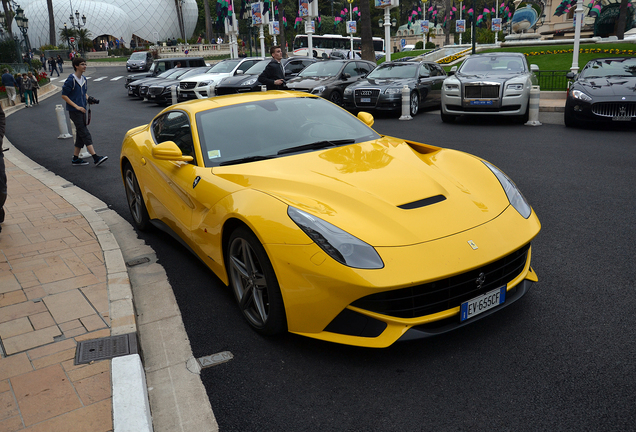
point(447, 293)
point(366, 97)
point(184, 85)
point(481, 91)
point(615, 109)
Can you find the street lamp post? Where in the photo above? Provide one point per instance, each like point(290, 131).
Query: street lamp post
point(23, 25)
point(578, 16)
point(78, 25)
point(381, 23)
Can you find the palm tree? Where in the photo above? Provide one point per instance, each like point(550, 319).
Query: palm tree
point(49, 5)
point(366, 35)
point(84, 39)
point(66, 34)
point(206, 8)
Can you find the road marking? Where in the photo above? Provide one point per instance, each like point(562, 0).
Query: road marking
point(116, 78)
point(100, 78)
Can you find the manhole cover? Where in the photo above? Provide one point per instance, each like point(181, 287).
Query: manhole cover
point(105, 348)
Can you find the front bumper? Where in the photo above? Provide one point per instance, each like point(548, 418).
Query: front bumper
point(601, 111)
point(328, 301)
point(508, 104)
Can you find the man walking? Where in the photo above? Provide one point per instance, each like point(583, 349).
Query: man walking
point(9, 84)
point(274, 74)
point(74, 93)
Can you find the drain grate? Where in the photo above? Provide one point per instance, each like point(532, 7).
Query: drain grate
point(105, 348)
point(137, 261)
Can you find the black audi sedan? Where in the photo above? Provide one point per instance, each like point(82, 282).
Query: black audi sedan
point(382, 88)
point(329, 79)
point(248, 81)
point(604, 92)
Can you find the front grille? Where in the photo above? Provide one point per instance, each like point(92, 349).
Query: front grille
point(615, 109)
point(481, 91)
point(441, 295)
point(371, 94)
point(155, 90)
point(185, 85)
point(219, 91)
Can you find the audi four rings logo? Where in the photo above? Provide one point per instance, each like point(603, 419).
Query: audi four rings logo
point(480, 280)
point(365, 92)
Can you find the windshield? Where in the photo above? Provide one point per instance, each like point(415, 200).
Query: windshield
point(138, 56)
point(275, 125)
point(165, 74)
point(322, 69)
point(397, 70)
point(225, 66)
point(485, 64)
point(610, 67)
point(258, 68)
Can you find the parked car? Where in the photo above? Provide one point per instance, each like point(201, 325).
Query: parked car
point(382, 88)
point(160, 91)
point(164, 64)
point(489, 84)
point(202, 86)
point(604, 92)
point(248, 81)
point(140, 60)
point(331, 230)
point(133, 87)
point(328, 79)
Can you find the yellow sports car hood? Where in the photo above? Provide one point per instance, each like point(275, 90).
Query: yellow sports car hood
point(385, 192)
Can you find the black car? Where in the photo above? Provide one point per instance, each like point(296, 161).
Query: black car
point(248, 81)
point(160, 91)
point(159, 66)
point(329, 78)
point(604, 92)
point(382, 88)
point(134, 87)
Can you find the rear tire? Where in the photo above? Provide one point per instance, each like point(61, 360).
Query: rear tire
point(135, 200)
point(414, 103)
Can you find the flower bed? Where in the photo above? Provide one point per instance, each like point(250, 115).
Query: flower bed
point(584, 51)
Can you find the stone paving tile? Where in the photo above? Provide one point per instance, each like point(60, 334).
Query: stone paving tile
point(41, 320)
point(48, 350)
point(71, 284)
point(94, 389)
point(83, 371)
point(8, 283)
point(4, 386)
point(69, 325)
point(93, 322)
point(44, 394)
point(15, 327)
point(98, 296)
point(12, 297)
point(30, 340)
point(93, 335)
point(20, 310)
point(8, 407)
point(14, 365)
point(58, 357)
point(12, 424)
point(93, 418)
point(68, 305)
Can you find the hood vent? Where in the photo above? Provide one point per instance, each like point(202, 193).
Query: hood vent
point(423, 202)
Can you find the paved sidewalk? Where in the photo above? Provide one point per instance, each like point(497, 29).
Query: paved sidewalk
point(67, 276)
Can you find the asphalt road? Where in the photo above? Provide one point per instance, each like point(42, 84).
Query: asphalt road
point(562, 358)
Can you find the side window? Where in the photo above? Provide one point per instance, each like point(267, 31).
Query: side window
point(161, 67)
point(364, 68)
point(246, 65)
point(294, 66)
point(440, 70)
point(424, 71)
point(175, 126)
point(351, 69)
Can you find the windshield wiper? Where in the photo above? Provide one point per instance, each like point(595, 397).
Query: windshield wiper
point(245, 160)
point(316, 145)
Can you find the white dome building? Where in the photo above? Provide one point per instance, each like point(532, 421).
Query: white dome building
point(149, 20)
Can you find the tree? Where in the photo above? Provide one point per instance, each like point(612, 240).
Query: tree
point(8, 14)
point(621, 21)
point(177, 4)
point(208, 30)
point(366, 35)
point(49, 5)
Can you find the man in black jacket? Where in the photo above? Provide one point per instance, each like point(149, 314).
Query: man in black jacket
point(274, 74)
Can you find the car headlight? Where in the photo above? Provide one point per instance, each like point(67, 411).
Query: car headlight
point(319, 90)
point(348, 90)
point(451, 86)
point(393, 90)
point(250, 82)
point(338, 244)
point(514, 195)
point(516, 86)
point(578, 94)
point(205, 83)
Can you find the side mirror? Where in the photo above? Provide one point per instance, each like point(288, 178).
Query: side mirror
point(239, 72)
point(570, 75)
point(534, 67)
point(452, 70)
point(366, 118)
point(168, 150)
point(346, 76)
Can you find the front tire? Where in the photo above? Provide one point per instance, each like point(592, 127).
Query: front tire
point(254, 283)
point(414, 104)
point(135, 200)
point(569, 120)
point(336, 97)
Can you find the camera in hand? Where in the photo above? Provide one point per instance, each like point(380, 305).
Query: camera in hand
point(92, 100)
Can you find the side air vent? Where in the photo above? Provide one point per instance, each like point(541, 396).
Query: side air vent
point(423, 202)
